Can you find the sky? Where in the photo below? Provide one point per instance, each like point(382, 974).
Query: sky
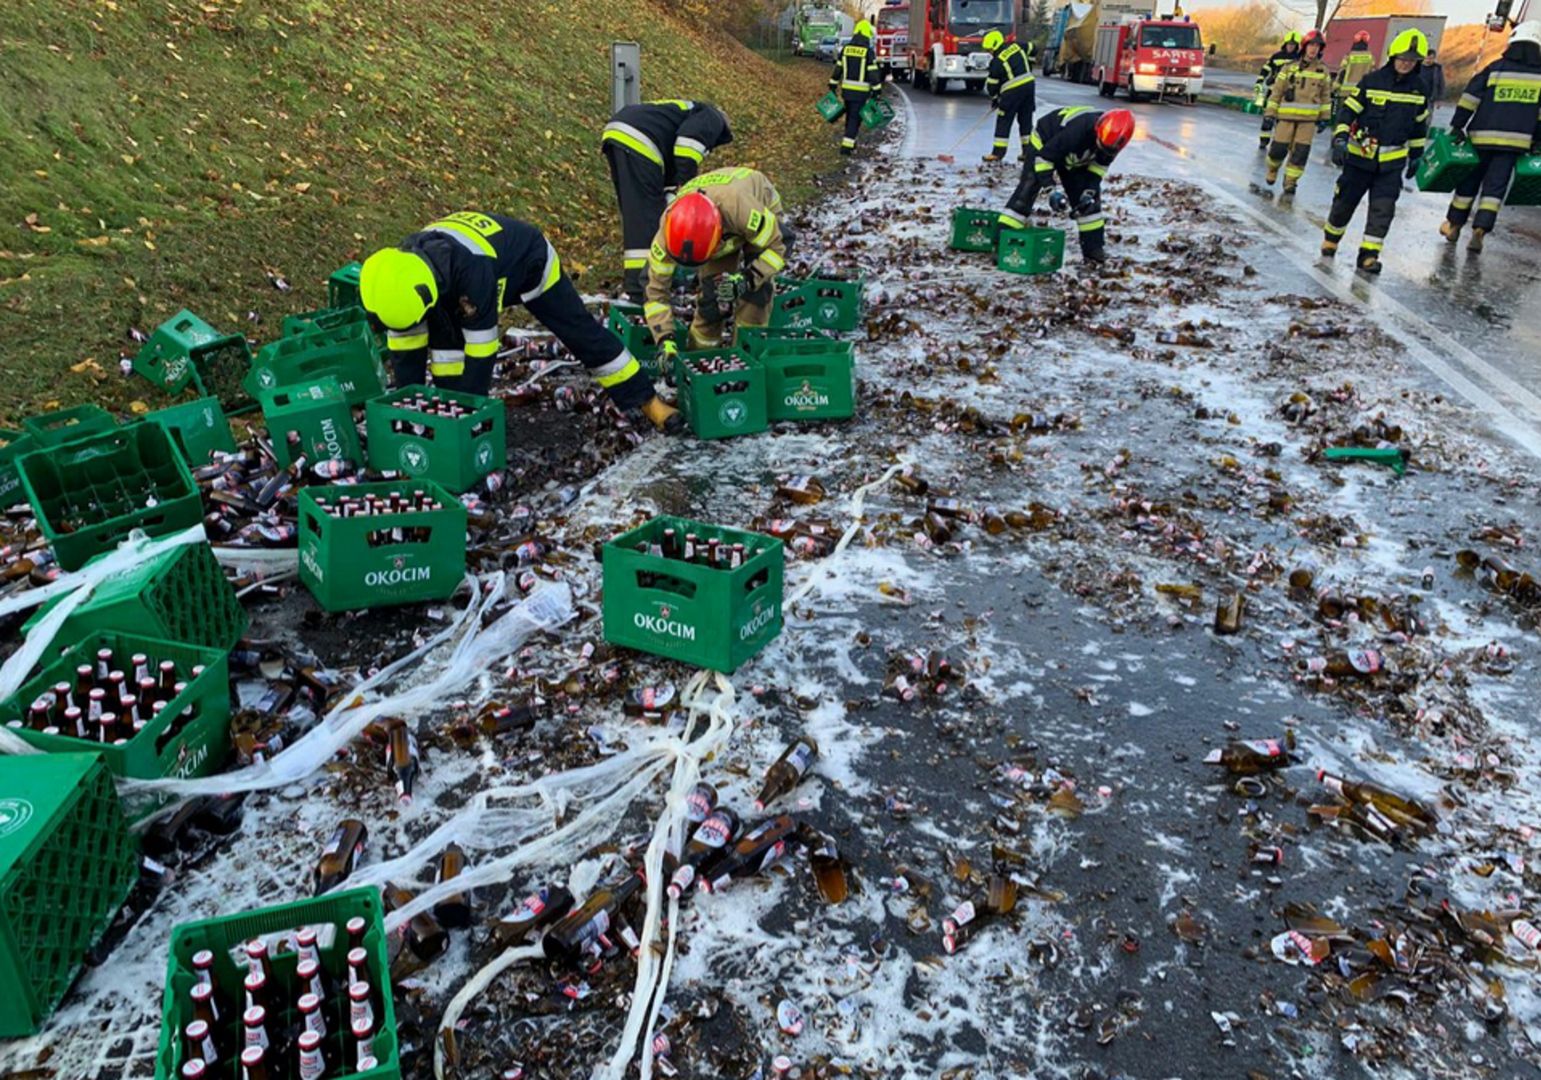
point(1458, 11)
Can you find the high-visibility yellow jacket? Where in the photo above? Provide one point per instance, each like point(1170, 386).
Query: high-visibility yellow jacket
point(1302, 92)
point(751, 227)
point(1356, 64)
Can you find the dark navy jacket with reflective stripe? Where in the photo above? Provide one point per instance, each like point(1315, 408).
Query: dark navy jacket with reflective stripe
point(675, 135)
point(1501, 107)
point(1067, 139)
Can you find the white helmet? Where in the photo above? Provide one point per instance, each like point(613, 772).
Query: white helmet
point(1527, 31)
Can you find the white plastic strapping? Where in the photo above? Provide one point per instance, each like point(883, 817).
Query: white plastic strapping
point(858, 504)
point(478, 648)
point(75, 588)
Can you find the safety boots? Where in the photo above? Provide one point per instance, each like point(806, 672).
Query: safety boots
point(992, 158)
point(1369, 262)
point(1450, 232)
point(1273, 172)
point(1329, 248)
point(1474, 245)
point(664, 417)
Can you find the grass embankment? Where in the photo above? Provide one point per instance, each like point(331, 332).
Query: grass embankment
point(177, 154)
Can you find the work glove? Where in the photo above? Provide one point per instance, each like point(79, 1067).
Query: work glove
point(1340, 151)
point(1457, 135)
point(1412, 168)
point(729, 288)
point(668, 351)
point(1086, 204)
point(1057, 202)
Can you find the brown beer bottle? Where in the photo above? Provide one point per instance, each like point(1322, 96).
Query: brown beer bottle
point(1401, 809)
point(1228, 614)
point(757, 850)
point(579, 931)
point(707, 846)
point(341, 855)
point(423, 935)
point(454, 911)
point(1251, 756)
point(537, 910)
point(788, 771)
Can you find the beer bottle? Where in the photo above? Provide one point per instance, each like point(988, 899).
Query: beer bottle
point(363, 1044)
point(311, 1016)
point(651, 703)
point(1250, 756)
point(911, 482)
point(993, 522)
point(1401, 809)
point(307, 976)
point(1345, 664)
point(356, 928)
point(254, 1063)
point(254, 1021)
point(423, 935)
point(788, 771)
point(936, 527)
point(200, 1042)
point(578, 932)
point(709, 844)
point(536, 910)
point(803, 490)
point(306, 944)
point(255, 987)
point(360, 1010)
point(257, 960)
point(194, 1069)
point(454, 911)
point(341, 855)
point(757, 850)
point(401, 759)
point(946, 507)
point(510, 719)
point(1228, 614)
point(829, 872)
point(699, 804)
point(312, 1062)
point(358, 965)
point(205, 1004)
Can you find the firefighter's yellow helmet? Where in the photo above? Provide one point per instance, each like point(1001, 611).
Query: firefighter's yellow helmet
point(397, 287)
point(994, 40)
point(864, 28)
point(1410, 41)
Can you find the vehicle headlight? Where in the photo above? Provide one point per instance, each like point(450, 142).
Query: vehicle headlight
point(1146, 69)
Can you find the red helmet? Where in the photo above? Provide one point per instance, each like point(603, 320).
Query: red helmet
point(692, 229)
point(1362, 38)
point(1314, 37)
point(1115, 129)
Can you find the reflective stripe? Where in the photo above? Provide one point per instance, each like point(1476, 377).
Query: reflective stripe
point(688, 154)
point(632, 139)
point(1487, 202)
point(551, 275)
point(1043, 166)
point(446, 361)
point(855, 87)
point(1333, 231)
point(1353, 103)
point(1020, 80)
point(1506, 139)
point(1010, 220)
point(1000, 144)
point(629, 368)
point(413, 337)
point(682, 104)
point(1368, 244)
point(773, 260)
point(471, 241)
point(1089, 224)
point(1294, 172)
point(652, 311)
point(481, 350)
point(848, 143)
point(1383, 97)
point(1097, 170)
point(696, 147)
point(767, 230)
point(1469, 102)
point(478, 337)
point(1299, 112)
point(1462, 202)
point(634, 264)
point(1417, 143)
point(1037, 141)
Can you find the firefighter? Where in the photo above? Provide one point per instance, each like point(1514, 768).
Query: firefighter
point(1287, 53)
point(728, 223)
point(1010, 86)
point(1301, 99)
point(1380, 133)
point(1078, 144)
point(1355, 65)
point(439, 293)
point(856, 77)
point(651, 149)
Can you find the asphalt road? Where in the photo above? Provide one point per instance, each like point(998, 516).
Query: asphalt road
point(1471, 320)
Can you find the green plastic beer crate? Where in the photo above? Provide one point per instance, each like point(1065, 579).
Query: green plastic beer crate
point(754, 340)
point(715, 413)
point(199, 428)
point(180, 595)
point(342, 288)
point(186, 350)
point(809, 380)
point(67, 425)
point(455, 453)
point(91, 493)
point(327, 318)
point(13, 444)
point(830, 107)
point(1031, 250)
point(626, 322)
point(357, 562)
point(817, 303)
point(1444, 163)
point(876, 114)
point(1525, 190)
point(974, 229)
point(67, 863)
point(226, 934)
point(712, 618)
point(173, 744)
point(312, 419)
point(348, 352)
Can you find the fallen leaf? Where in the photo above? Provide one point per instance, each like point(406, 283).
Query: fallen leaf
point(303, 187)
point(138, 408)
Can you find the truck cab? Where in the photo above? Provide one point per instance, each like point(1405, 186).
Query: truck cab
point(1159, 58)
point(947, 39)
point(892, 25)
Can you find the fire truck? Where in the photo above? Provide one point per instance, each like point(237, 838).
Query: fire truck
point(946, 39)
point(893, 38)
point(1159, 58)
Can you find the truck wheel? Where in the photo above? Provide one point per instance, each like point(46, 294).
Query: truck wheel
point(938, 85)
point(1104, 89)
